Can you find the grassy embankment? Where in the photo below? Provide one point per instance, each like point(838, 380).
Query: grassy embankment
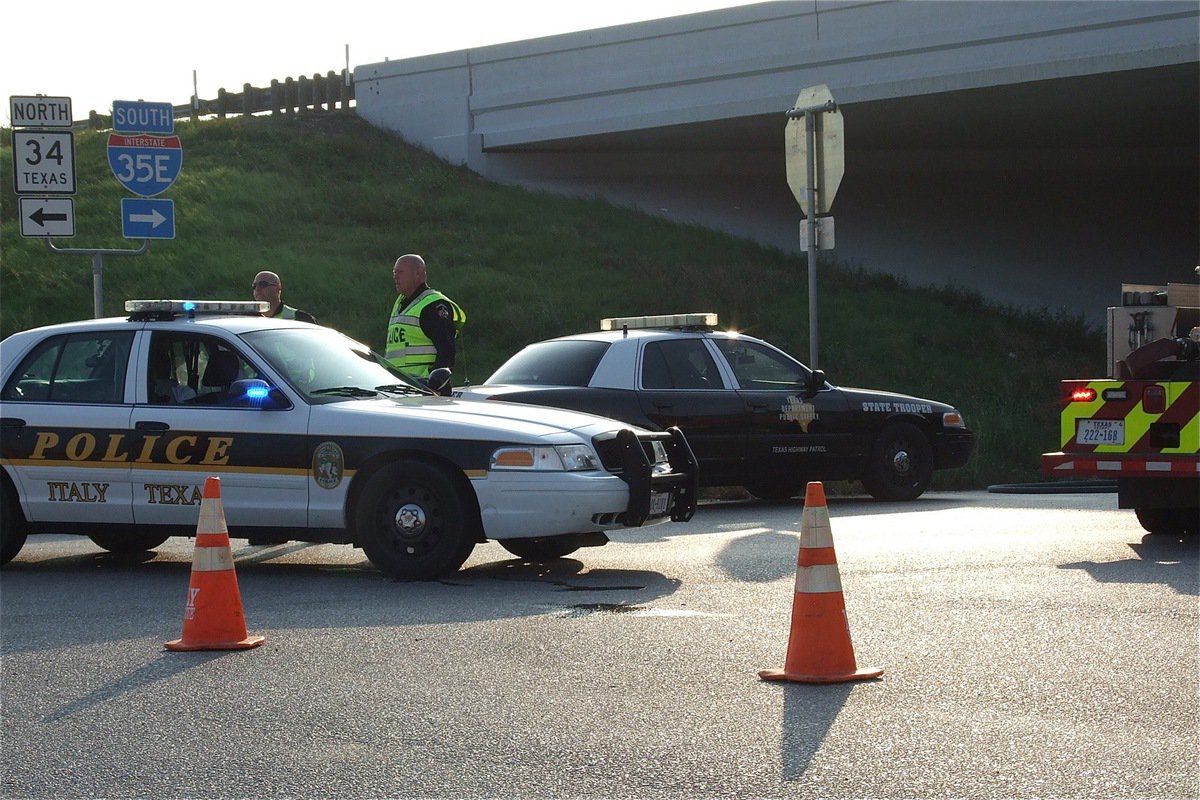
point(330, 203)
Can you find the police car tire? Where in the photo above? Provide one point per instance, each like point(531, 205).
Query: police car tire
point(123, 542)
point(774, 488)
point(12, 525)
point(545, 548)
point(445, 538)
point(900, 464)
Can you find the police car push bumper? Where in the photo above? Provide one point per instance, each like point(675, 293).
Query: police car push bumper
point(540, 505)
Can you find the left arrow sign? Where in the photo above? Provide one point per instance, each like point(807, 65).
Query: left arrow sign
point(47, 216)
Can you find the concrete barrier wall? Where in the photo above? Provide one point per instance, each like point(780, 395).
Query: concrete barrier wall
point(752, 60)
point(1039, 152)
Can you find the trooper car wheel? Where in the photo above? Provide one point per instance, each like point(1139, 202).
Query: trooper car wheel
point(412, 522)
point(546, 548)
point(774, 489)
point(12, 525)
point(901, 463)
point(128, 542)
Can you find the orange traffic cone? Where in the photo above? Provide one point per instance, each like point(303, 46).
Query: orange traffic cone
point(819, 648)
point(213, 618)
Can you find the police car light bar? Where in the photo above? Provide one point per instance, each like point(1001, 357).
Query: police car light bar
point(698, 319)
point(197, 306)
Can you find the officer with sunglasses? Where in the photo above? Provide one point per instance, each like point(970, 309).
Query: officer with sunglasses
point(269, 288)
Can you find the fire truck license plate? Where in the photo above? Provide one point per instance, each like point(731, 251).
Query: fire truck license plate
point(1101, 431)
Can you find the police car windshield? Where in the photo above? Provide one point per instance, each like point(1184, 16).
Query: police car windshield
point(323, 364)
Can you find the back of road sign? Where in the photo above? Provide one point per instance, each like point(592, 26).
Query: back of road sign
point(830, 151)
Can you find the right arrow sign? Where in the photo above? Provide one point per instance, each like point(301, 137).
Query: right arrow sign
point(142, 218)
point(830, 159)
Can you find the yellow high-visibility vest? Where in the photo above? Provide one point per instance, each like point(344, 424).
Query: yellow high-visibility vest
point(407, 345)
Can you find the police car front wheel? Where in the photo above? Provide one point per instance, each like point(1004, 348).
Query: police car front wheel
point(412, 522)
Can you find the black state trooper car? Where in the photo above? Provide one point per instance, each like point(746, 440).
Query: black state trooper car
point(753, 415)
point(109, 428)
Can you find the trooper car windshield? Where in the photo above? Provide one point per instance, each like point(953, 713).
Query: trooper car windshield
point(325, 365)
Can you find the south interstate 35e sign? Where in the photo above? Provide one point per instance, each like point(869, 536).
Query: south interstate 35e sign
point(145, 164)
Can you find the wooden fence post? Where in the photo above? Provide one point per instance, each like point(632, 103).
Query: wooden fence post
point(247, 99)
point(275, 100)
point(318, 91)
point(303, 91)
point(289, 99)
point(334, 90)
point(221, 101)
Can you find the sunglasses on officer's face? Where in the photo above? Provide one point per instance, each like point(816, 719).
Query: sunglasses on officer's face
point(263, 284)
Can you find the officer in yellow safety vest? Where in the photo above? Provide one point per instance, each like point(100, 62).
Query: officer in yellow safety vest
point(268, 288)
point(424, 323)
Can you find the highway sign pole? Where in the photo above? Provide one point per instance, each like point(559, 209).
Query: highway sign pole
point(97, 267)
point(810, 126)
point(815, 165)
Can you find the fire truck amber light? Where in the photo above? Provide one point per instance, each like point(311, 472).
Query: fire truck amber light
point(1084, 395)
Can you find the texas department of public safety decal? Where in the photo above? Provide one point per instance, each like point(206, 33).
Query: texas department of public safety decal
point(796, 410)
point(328, 465)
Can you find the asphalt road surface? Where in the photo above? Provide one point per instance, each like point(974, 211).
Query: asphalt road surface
point(1032, 646)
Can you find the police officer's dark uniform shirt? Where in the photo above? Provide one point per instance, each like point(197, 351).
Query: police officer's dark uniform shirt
point(437, 320)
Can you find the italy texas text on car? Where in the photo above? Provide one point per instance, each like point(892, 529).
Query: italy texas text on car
point(753, 415)
point(110, 427)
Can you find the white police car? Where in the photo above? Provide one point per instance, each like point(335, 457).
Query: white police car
point(755, 416)
point(109, 427)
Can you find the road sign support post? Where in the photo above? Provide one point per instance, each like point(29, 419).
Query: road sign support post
point(810, 123)
point(811, 106)
point(97, 255)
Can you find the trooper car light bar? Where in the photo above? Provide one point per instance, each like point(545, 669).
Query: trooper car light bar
point(695, 320)
point(171, 308)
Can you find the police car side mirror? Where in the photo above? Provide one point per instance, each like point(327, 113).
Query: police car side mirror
point(439, 379)
point(256, 393)
point(816, 381)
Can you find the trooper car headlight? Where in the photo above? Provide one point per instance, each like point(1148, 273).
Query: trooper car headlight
point(560, 458)
point(953, 419)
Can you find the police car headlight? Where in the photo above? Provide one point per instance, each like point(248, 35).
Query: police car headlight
point(562, 458)
point(953, 419)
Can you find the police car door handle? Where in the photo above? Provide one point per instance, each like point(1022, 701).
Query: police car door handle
point(151, 425)
point(12, 422)
point(759, 408)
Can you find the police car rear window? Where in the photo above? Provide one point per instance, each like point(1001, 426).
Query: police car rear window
point(568, 363)
point(86, 368)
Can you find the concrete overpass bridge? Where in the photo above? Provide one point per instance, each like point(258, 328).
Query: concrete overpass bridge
point(1041, 153)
